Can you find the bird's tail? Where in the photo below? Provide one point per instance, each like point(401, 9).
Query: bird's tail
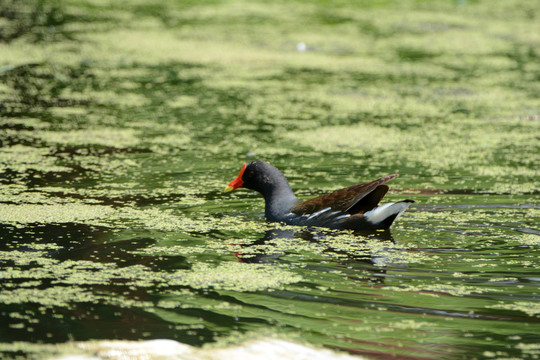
point(383, 216)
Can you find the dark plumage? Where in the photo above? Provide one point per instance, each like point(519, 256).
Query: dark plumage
point(355, 207)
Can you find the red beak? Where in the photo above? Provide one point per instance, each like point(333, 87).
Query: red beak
point(236, 183)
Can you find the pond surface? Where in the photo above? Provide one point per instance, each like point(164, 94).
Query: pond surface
point(120, 127)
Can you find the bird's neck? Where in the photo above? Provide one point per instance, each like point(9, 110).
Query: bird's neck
point(279, 200)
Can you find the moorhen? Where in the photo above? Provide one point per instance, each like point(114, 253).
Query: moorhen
point(355, 207)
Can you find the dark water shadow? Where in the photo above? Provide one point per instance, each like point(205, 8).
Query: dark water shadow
point(113, 308)
point(84, 242)
point(58, 320)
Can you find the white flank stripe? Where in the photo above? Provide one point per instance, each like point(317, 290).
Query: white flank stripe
point(318, 213)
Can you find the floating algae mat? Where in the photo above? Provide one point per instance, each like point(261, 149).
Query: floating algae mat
point(121, 125)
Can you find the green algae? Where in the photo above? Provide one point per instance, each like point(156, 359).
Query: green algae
point(530, 308)
point(52, 296)
point(23, 258)
point(529, 239)
point(21, 158)
point(110, 137)
point(436, 290)
point(25, 123)
point(59, 213)
point(120, 127)
point(236, 276)
point(424, 152)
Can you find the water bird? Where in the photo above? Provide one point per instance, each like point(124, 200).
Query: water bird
point(355, 207)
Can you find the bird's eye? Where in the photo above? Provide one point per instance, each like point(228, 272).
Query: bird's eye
point(250, 174)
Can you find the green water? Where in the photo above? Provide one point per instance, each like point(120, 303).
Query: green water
point(120, 125)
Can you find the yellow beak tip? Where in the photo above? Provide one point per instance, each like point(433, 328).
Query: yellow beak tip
point(229, 188)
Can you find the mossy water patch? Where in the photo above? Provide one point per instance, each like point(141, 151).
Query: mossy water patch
point(421, 145)
point(21, 158)
point(46, 214)
point(236, 276)
point(110, 137)
point(116, 146)
point(441, 289)
point(52, 296)
point(530, 308)
point(23, 123)
point(530, 239)
point(38, 20)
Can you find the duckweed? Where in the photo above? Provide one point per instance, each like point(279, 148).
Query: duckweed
point(530, 308)
point(235, 276)
point(120, 126)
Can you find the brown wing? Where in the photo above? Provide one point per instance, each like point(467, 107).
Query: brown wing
point(352, 200)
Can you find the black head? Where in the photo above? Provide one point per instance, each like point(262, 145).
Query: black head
point(259, 176)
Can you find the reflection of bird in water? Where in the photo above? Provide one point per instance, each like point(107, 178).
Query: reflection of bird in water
point(355, 207)
point(380, 256)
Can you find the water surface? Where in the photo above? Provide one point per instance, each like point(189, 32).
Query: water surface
point(120, 126)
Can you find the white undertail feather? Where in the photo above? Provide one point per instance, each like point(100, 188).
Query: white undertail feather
point(380, 213)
